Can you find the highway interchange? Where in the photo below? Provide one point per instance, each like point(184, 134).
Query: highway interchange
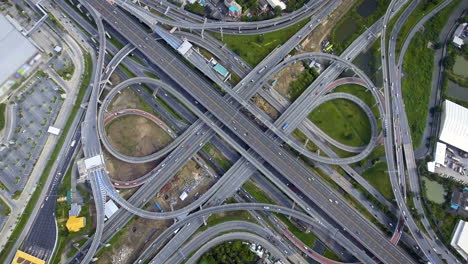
point(260, 148)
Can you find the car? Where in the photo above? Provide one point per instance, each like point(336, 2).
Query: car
point(330, 200)
point(299, 37)
point(310, 179)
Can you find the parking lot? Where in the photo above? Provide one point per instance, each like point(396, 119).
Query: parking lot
point(37, 106)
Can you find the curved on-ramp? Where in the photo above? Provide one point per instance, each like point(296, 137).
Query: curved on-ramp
point(105, 140)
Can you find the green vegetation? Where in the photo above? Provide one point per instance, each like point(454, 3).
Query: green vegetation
point(6, 210)
point(2, 115)
point(85, 79)
point(421, 10)
point(67, 72)
point(419, 60)
point(344, 121)
point(438, 215)
point(195, 8)
point(216, 219)
point(115, 42)
point(231, 252)
point(55, 21)
point(378, 177)
point(253, 48)
point(353, 24)
point(262, 197)
point(331, 255)
point(127, 72)
point(302, 82)
point(217, 156)
point(302, 138)
point(152, 75)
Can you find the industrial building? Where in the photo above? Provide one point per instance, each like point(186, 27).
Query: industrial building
point(460, 239)
point(454, 125)
point(15, 51)
point(460, 36)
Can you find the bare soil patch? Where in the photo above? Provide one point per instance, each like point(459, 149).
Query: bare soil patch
point(192, 179)
point(265, 106)
point(136, 136)
point(132, 242)
point(123, 171)
point(310, 44)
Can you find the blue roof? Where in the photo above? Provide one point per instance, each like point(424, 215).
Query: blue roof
point(233, 9)
point(466, 188)
point(221, 70)
point(454, 206)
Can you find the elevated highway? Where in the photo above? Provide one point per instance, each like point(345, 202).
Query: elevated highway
point(251, 135)
point(255, 27)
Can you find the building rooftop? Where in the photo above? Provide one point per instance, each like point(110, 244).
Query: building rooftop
point(440, 153)
point(454, 125)
point(460, 238)
point(15, 49)
point(221, 70)
point(110, 208)
point(74, 224)
point(24, 258)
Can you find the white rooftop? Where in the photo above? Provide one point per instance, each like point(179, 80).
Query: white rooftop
point(454, 125)
point(53, 130)
point(275, 3)
point(93, 162)
point(184, 47)
point(15, 49)
point(458, 41)
point(460, 238)
point(431, 166)
point(440, 153)
point(110, 208)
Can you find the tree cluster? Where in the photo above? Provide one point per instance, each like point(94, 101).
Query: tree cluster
point(233, 252)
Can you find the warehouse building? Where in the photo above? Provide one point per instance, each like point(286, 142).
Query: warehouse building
point(460, 239)
point(15, 51)
point(454, 125)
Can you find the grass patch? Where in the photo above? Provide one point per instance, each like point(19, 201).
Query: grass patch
point(261, 197)
point(151, 75)
point(127, 72)
point(419, 61)
point(253, 48)
point(353, 25)
point(217, 156)
point(67, 72)
point(85, 80)
point(2, 116)
point(344, 121)
point(331, 255)
point(302, 82)
point(6, 210)
point(378, 177)
point(423, 8)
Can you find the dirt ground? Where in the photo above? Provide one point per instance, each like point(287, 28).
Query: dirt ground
point(126, 99)
point(191, 178)
point(131, 243)
point(265, 107)
point(310, 44)
point(136, 136)
point(123, 171)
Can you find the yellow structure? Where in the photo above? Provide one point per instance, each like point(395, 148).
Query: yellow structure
point(24, 258)
point(74, 224)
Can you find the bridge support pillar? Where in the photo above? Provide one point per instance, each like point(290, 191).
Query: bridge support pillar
point(222, 37)
point(155, 92)
point(203, 28)
point(293, 205)
point(308, 229)
point(204, 221)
